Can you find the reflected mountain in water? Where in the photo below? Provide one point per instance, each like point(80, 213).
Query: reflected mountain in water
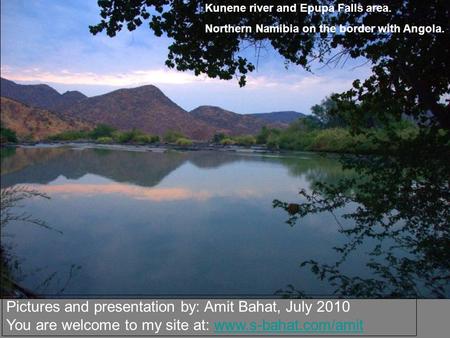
point(147, 169)
point(186, 223)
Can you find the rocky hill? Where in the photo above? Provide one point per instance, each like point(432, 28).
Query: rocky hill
point(39, 123)
point(285, 117)
point(145, 108)
point(227, 122)
point(39, 96)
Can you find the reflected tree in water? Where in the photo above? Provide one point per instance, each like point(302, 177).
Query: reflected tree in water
point(10, 201)
point(400, 206)
point(11, 274)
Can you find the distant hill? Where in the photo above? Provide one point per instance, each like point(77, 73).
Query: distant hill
point(227, 122)
point(39, 96)
point(145, 108)
point(40, 123)
point(285, 117)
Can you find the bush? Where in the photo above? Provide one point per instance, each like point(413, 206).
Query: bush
point(217, 138)
point(245, 140)
point(184, 142)
point(127, 136)
point(335, 140)
point(155, 139)
point(142, 138)
point(265, 134)
point(145, 138)
point(134, 136)
point(70, 135)
point(105, 139)
point(296, 140)
point(7, 135)
point(227, 142)
point(172, 136)
point(273, 141)
point(102, 130)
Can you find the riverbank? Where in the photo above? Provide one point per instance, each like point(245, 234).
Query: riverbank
point(153, 147)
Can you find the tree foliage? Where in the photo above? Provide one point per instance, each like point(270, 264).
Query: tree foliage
point(7, 135)
point(399, 205)
point(328, 114)
point(410, 72)
point(102, 130)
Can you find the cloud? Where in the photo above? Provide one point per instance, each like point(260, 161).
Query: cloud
point(275, 91)
point(165, 76)
point(131, 78)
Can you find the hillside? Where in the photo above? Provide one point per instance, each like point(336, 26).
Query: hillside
point(145, 108)
point(39, 96)
point(40, 123)
point(285, 117)
point(227, 122)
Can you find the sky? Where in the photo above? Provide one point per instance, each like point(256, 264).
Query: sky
point(48, 41)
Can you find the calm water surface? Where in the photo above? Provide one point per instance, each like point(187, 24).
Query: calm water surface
point(178, 223)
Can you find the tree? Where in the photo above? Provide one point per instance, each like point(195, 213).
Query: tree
point(410, 72)
point(263, 135)
point(327, 113)
point(401, 195)
point(7, 135)
point(102, 130)
point(400, 215)
point(217, 138)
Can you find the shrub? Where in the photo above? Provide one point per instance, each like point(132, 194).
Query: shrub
point(105, 139)
point(70, 135)
point(296, 140)
point(134, 136)
point(335, 140)
point(265, 134)
point(142, 138)
point(155, 139)
point(7, 135)
point(102, 130)
point(172, 136)
point(245, 140)
point(184, 142)
point(227, 142)
point(273, 141)
point(217, 138)
point(127, 136)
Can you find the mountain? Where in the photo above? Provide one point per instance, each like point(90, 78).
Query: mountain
point(39, 96)
point(145, 108)
point(227, 122)
point(40, 123)
point(68, 99)
point(285, 117)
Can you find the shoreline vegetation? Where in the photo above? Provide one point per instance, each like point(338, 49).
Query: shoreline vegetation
point(302, 135)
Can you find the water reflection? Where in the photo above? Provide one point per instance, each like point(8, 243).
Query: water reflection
point(11, 272)
point(151, 223)
point(401, 217)
point(178, 223)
